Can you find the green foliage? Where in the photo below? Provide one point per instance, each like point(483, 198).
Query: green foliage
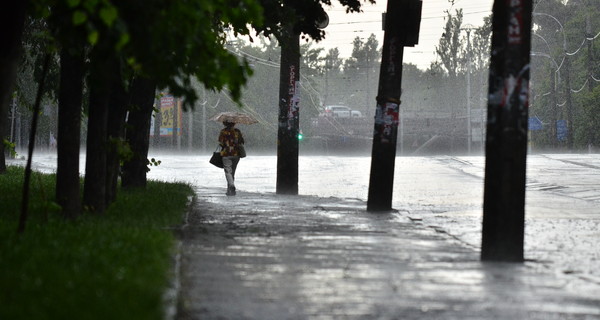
point(564, 48)
point(36, 41)
point(108, 15)
point(185, 40)
point(361, 68)
point(171, 42)
point(10, 147)
point(451, 43)
point(152, 162)
point(589, 119)
point(311, 59)
point(110, 267)
point(364, 53)
point(11, 187)
point(79, 17)
point(480, 45)
point(123, 149)
point(302, 14)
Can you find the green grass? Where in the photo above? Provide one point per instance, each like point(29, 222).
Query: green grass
point(114, 266)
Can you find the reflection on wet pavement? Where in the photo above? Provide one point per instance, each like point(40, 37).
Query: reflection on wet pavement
point(263, 256)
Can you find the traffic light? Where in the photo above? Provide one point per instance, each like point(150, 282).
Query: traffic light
point(300, 136)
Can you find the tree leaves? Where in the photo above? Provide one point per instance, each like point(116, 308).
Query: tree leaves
point(175, 41)
point(450, 43)
point(108, 14)
point(79, 17)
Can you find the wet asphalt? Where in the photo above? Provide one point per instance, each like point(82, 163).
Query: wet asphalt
point(268, 256)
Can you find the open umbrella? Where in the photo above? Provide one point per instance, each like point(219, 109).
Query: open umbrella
point(235, 117)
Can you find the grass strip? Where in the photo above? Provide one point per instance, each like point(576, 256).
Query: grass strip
point(113, 266)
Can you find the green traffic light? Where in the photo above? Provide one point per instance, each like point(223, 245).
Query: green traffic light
point(300, 136)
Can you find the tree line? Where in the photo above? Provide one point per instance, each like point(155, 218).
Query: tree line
point(565, 73)
point(327, 78)
point(106, 60)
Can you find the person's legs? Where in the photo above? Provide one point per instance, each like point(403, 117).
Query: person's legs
point(235, 161)
point(229, 166)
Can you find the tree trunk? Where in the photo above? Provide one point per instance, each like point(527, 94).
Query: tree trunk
point(70, 97)
point(116, 124)
point(94, 188)
point(10, 38)
point(138, 131)
point(34, 124)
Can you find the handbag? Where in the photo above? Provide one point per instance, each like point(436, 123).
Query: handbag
point(216, 159)
point(241, 151)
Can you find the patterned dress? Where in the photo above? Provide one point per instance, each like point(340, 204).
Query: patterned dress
point(230, 139)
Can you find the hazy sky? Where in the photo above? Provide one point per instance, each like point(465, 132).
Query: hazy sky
point(343, 28)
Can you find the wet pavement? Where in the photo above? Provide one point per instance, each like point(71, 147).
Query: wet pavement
point(267, 256)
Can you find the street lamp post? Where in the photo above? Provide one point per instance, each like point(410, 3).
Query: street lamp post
point(204, 119)
point(468, 28)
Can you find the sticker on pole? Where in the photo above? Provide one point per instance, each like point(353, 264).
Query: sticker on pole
point(386, 120)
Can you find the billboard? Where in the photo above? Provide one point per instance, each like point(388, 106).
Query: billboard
point(170, 115)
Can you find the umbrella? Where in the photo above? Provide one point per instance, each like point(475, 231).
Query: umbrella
point(235, 117)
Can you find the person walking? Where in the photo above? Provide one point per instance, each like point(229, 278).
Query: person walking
point(230, 140)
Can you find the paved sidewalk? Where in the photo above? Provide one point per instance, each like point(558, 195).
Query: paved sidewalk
point(264, 256)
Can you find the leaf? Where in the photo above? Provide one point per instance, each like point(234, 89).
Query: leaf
point(73, 3)
point(131, 61)
point(108, 15)
point(90, 5)
point(79, 17)
point(93, 37)
point(123, 40)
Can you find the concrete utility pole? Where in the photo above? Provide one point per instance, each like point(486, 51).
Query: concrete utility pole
point(401, 29)
point(289, 98)
point(506, 143)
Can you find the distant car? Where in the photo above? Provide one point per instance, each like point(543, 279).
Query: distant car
point(341, 112)
point(337, 111)
point(356, 114)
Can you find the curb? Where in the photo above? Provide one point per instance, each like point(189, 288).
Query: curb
point(172, 293)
